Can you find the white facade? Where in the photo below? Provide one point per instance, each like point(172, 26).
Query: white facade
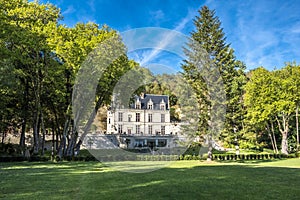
point(148, 115)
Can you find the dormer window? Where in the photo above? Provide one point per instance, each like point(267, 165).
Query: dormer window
point(150, 104)
point(138, 104)
point(162, 105)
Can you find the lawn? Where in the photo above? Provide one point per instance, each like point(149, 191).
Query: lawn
point(181, 180)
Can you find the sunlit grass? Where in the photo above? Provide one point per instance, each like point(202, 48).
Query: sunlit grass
point(277, 179)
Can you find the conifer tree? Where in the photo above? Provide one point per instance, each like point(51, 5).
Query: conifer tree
point(210, 36)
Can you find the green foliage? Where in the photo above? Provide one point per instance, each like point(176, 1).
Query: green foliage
point(40, 60)
point(271, 97)
point(218, 67)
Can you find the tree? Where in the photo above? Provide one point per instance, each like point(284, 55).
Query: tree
point(259, 95)
point(269, 98)
point(29, 56)
point(80, 50)
point(295, 87)
point(72, 46)
point(209, 35)
point(108, 61)
point(44, 61)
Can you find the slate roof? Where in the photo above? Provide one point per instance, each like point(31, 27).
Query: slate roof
point(156, 99)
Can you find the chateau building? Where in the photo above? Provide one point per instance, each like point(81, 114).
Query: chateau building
point(146, 123)
point(148, 115)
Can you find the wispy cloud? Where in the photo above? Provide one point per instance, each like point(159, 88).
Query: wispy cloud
point(295, 29)
point(91, 4)
point(169, 37)
point(157, 15)
point(263, 33)
point(69, 10)
point(263, 36)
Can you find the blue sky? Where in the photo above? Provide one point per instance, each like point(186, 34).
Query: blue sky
point(262, 32)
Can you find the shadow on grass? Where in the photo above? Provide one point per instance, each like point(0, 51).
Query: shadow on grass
point(196, 181)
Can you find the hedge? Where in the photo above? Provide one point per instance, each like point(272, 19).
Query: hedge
point(147, 157)
point(253, 156)
point(22, 158)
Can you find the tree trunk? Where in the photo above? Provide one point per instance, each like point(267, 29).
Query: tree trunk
point(36, 134)
point(284, 129)
point(25, 111)
point(271, 138)
point(44, 135)
point(3, 137)
point(55, 128)
point(37, 112)
point(53, 141)
point(56, 139)
point(72, 142)
point(89, 123)
point(284, 144)
point(62, 145)
point(69, 146)
point(209, 153)
point(297, 126)
point(23, 131)
point(85, 132)
point(274, 138)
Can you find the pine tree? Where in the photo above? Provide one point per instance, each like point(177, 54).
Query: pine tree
point(210, 37)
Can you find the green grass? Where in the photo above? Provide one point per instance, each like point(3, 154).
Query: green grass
point(181, 180)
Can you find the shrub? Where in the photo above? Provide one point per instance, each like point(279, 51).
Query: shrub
point(188, 157)
point(181, 157)
point(204, 157)
point(194, 157)
point(292, 155)
point(12, 159)
point(222, 157)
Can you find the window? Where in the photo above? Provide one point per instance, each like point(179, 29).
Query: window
point(163, 130)
point(150, 129)
point(137, 117)
point(120, 117)
point(138, 105)
point(162, 117)
point(108, 120)
point(120, 129)
point(150, 104)
point(149, 117)
point(138, 129)
point(129, 118)
point(162, 107)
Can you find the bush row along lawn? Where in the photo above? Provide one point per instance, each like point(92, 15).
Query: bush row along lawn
point(277, 179)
